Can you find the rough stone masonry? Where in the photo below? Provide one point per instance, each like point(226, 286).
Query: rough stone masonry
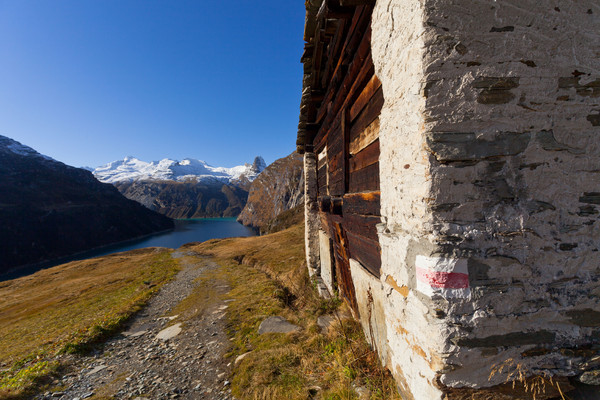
point(490, 193)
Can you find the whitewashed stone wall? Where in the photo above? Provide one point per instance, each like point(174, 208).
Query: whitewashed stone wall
point(311, 214)
point(490, 177)
point(413, 345)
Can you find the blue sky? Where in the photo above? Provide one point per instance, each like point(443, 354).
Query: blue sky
point(89, 82)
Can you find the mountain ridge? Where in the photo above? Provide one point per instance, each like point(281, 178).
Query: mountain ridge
point(131, 169)
point(189, 188)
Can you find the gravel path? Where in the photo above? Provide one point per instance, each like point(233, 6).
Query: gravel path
point(149, 361)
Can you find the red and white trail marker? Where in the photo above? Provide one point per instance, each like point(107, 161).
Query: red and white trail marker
point(448, 277)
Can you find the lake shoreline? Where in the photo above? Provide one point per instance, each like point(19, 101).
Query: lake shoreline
point(38, 266)
point(152, 240)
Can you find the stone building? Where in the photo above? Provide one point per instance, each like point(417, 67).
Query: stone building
point(452, 185)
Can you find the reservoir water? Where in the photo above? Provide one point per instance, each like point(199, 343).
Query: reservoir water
point(186, 231)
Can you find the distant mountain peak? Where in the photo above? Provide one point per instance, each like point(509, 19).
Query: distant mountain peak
point(259, 164)
point(132, 169)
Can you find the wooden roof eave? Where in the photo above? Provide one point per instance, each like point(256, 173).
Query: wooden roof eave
point(320, 14)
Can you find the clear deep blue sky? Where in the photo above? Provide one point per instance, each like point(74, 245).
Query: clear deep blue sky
point(89, 82)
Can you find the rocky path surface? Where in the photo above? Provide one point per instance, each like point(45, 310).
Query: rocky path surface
point(160, 355)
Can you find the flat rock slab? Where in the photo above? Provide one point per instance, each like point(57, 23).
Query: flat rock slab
point(134, 334)
point(169, 333)
point(324, 322)
point(96, 369)
point(277, 325)
point(590, 377)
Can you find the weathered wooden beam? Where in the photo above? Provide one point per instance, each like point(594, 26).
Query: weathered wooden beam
point(336, 183)
point(362, 225)
point(320, 141)
point(340, 12)
point(362, 203)
point(354, 25)
point(333, 51)
point(340, 245)
point(345, 126)
point(342, 61)
point(366, 157)
point(331, 9)
point(322, 10)
point(365, 96)
point(348, 3)
point(366, 72)
point(366, 251)
point(337, 205)
point(325, 224)
point(324, 204)
point(368, 114)
point(316, 96)
point(331, 28)
point(359, 140)
point(360, 56)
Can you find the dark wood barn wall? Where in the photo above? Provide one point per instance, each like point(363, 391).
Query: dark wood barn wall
point(346, 102)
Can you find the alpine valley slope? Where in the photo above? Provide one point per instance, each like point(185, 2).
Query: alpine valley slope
point(50, 210)
point(183, 189)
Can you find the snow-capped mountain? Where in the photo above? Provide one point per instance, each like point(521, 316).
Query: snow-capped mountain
point(131, 169)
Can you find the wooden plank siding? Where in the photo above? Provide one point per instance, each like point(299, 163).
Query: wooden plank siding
point(346, 100)
point(365, 251)
point(365, 179)
point(365, 157)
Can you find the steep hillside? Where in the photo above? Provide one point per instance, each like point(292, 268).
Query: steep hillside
point(280, 187)
point(186, 199)
point(49, 209)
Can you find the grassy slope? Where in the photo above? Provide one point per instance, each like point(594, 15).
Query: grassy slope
point(268, 277)
point(68, 307)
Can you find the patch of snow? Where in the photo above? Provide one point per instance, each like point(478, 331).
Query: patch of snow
point(132, 169)
point(8, 144)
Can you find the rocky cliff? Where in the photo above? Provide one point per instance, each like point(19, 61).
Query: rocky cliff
point(49, 209)
point(280, 187)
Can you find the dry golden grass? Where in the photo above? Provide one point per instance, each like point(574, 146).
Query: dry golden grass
point(69, 307)
point(268, 276)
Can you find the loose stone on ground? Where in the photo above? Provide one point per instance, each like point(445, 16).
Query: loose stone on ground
point(169, 333)
point(277, 325)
